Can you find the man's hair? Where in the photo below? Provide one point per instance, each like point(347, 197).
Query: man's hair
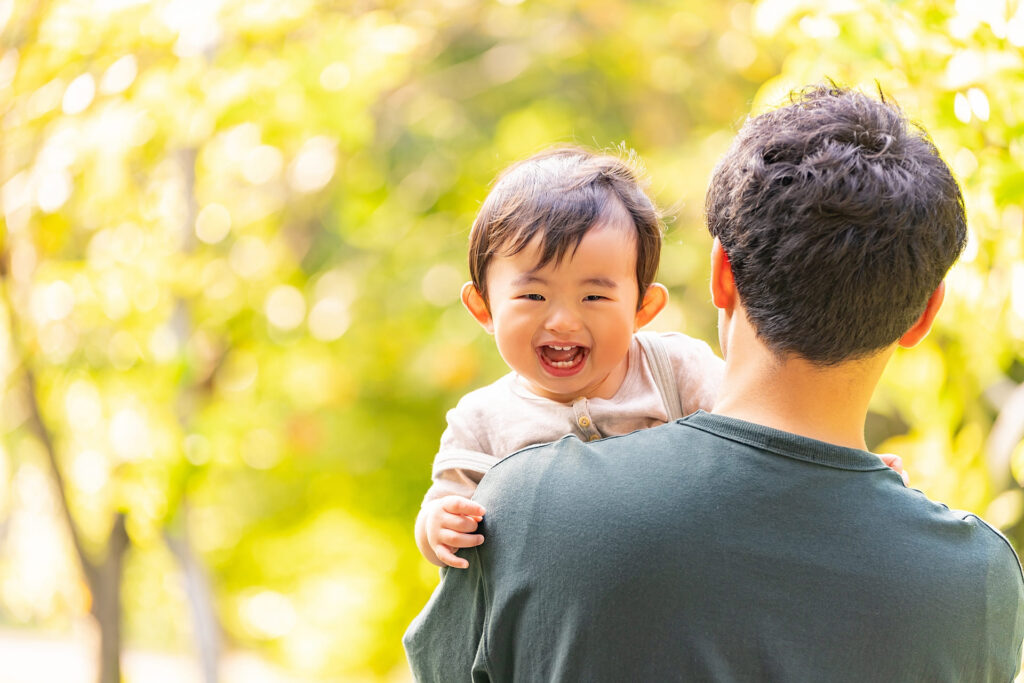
point(560, 194)
point(839, 220)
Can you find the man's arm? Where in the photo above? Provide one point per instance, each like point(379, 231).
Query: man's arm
point(445, 642)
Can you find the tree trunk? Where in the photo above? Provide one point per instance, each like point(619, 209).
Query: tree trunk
point(106, 606)
point(1007, 432)
point(205, 624)
point(103, 579)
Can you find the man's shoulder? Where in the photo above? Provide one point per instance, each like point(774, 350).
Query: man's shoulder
point(962, 540)
point(998, 551)
point(587, 464)
point(534, 457)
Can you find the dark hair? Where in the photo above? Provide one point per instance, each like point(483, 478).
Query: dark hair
point(560, 194)
point(839, 220)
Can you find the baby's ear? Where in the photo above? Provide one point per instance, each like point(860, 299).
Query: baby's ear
point(475, 303)
point(654, 301)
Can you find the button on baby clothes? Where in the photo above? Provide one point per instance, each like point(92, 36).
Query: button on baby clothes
point(581, 409)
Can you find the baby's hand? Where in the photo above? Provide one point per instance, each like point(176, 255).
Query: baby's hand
point(896, 463)
point(450, 521)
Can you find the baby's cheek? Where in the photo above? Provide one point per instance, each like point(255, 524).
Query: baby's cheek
point(517, 353)
point(615, 348)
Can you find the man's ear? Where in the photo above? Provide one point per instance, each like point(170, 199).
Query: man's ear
point(475, 303)
point(919, 330)
point(723, 287)
point(652, 304)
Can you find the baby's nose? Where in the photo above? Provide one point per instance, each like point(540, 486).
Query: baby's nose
point(563, 319)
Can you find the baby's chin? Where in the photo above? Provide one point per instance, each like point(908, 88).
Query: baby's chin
point(553, 391)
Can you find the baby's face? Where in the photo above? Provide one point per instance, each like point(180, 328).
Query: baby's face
point(566, 328)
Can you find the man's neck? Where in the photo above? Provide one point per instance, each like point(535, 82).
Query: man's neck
point(824, 403)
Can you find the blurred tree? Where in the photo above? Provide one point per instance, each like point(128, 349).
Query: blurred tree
point(235, 236)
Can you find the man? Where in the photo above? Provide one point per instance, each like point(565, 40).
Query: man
point(761, 541)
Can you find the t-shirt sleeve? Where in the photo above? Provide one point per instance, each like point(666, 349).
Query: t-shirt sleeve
point(1016, 643)
point(1004, 583)
point(445, 642)
point(698, 371)
point(464, 455)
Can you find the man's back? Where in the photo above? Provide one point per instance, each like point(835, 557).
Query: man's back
point(750, 554)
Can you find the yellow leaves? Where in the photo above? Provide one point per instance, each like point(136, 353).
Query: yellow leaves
point(918, 372)
point(946, 470)
point(737, 50)
point(394, 39)
point(239, 372)
point(313, 165)
point(262, 448)
point(119, 75)
point(978, 101)
point(262, 164)
point(454, 367)
point(1017, 293)
point(335, 76)
point(344, 593)
point(38, 582)
point(79, 94)
point(213, 223)
point(771, 15)
point(975, 65)
point(441, 284)
point(310, 379)
point(1017, 463)
point(285, 307)
point(446, 366)
point(1006, 509)
point(526, 131)
point(924, 454)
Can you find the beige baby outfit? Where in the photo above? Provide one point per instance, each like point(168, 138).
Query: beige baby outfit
point(669, 375)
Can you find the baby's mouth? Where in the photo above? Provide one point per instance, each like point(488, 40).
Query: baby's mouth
point(562, 357)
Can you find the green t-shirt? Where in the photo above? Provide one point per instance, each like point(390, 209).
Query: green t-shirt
point(713, 549)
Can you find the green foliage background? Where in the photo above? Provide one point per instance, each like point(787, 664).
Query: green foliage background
point(235, 235)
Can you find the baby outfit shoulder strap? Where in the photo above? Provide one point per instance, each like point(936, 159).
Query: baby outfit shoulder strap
point(661, 368)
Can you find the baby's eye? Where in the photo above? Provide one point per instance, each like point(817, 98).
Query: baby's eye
point(531, 297)
point(594, 297)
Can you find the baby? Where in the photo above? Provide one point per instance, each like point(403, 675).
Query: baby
point(563, 256)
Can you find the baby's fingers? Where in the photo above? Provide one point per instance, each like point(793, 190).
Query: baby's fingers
point(457, 523)
point(456, 540)
point(896, 463)
point(457, 505)
point(893, 461)
point(445, 555)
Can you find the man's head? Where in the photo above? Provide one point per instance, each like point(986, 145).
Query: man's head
point(558, 196)
point(838, 219)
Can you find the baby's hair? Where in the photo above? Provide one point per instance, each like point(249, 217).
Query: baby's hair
point(560, 194)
